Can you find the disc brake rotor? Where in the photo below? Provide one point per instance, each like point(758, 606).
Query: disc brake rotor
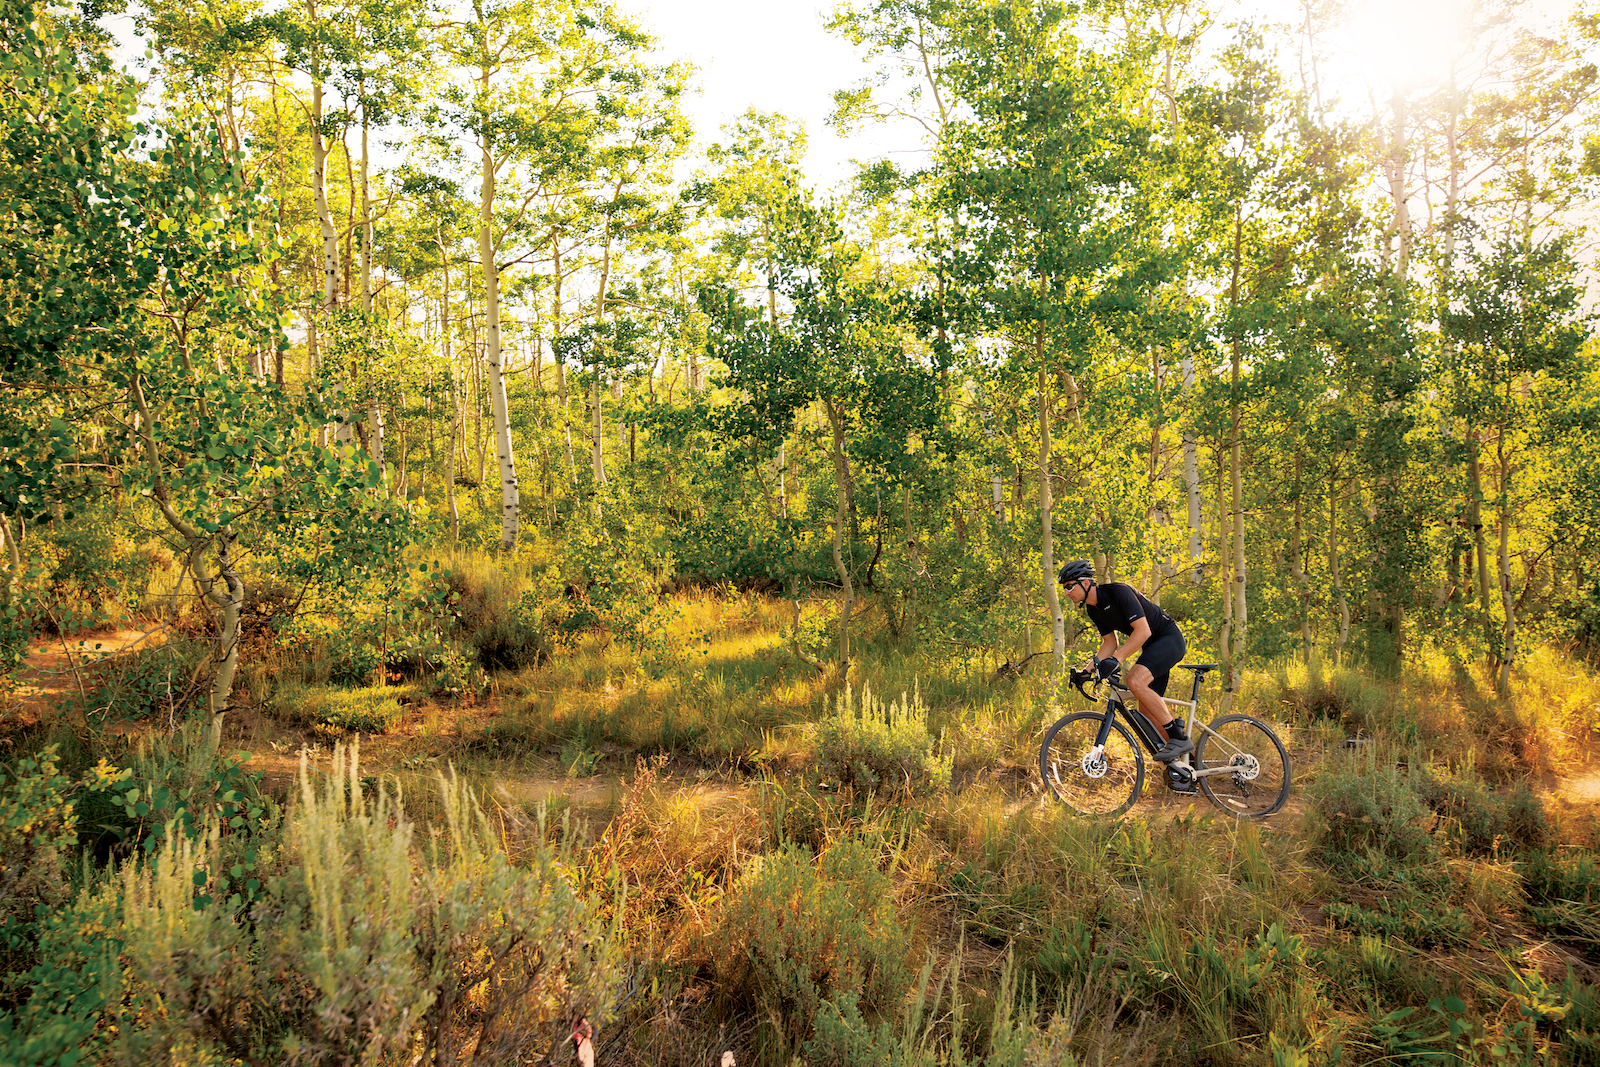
point(1245, 766)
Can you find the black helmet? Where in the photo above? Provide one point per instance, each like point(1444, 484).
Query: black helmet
point(1075, 571)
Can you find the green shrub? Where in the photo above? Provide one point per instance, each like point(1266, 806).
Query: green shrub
point(510, 645)
point(374, 710)
point(56, 1012)
point(323, 650)
point(1435, 923)
point(1480, 820)
point(800, 934)
point(139, 684)
point(38, 837)
point(361, 950)
point(353, 656)
point(1367, 807)
point(873, 745)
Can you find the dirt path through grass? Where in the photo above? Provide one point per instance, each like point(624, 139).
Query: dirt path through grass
point(57, 667)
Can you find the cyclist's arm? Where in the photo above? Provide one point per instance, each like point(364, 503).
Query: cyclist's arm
point(1135, 641)
point(1108, 646)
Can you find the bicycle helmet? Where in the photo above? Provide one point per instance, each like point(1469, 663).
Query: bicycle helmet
point(1075, 571)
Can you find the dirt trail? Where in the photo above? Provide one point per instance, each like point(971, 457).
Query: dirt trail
point(57, 666)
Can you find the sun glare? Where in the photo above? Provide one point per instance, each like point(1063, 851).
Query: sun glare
point(1403, 42)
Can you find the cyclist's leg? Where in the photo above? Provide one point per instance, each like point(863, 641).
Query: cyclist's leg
point(1151, 706)
point(1148, 680)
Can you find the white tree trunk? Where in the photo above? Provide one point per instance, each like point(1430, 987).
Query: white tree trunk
point(509, 501)
point(841, 515)
point(1191, 477)
point(1047, 544)
point(374, 411)
point(330, 238)
point(455, 408)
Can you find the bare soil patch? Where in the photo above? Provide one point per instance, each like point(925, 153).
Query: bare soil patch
point(59, 666)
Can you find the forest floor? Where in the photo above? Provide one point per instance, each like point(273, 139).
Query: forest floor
point(57, 668)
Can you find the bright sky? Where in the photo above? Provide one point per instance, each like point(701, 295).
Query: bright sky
point(775, 57)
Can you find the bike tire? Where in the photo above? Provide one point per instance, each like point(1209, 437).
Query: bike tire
point(1261, 785)
point(1121, 770)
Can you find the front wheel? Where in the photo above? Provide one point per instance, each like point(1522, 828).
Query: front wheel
point(1254, 778)
point(1089, 782)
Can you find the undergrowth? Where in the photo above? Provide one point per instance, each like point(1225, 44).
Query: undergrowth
point(787, 868)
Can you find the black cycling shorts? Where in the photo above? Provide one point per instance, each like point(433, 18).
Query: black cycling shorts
point(1160, 655)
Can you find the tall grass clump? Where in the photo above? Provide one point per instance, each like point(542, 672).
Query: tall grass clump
point(805, 937)
point(359, 944)
point(494, 609)
point(1365, 806)
point(370, 710)
point(869, 745)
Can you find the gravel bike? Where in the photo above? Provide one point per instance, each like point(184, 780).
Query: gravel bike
point(1093, 763)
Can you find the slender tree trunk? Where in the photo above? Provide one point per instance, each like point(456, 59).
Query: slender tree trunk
point(1508, 605)
point(8, 589)
point(772, 319)
point(563, 401)
point(1047, 543)
point(841, 515)
point(1333, 571)
point(475, 395)
point(1296, 555)
point(314, 351)
point(596, 393)
point(1395, 165)
point(1239, 629)
point(1154, 517)
point(1225, 571)
point(1480, 545)
point(374, 411)
point(510, 517)
point(330, 237)
point(455, 408)
point(1191, 477)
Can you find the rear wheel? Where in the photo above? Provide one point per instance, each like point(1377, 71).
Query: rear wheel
point(1256, 781)
point(1089, 782)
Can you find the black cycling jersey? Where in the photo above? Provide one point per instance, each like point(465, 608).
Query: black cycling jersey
point(1120, 605)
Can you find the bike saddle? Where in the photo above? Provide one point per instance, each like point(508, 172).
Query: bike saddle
point(1198, 668)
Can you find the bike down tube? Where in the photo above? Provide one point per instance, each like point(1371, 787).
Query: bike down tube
point(1143, 727)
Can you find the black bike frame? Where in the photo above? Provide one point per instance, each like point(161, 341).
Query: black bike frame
point(1142, 726)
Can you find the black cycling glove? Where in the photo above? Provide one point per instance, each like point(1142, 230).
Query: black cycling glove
point(1107, 667)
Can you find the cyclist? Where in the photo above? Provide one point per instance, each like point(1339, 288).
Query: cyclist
point(1117, 607)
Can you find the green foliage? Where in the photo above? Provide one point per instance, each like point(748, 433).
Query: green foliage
point(91, 561)
point(183, 787)
point(353, 654)
point(1481, 821)
point(871, 745)
point(800, 934)
point(39, 826)
point(1430, 924)
point(55, 1013)
point(1365, 806)
point(140, 684)
point(358, 947)
point(370, 710)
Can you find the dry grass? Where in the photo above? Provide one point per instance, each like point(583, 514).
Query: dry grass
point(1125, 935)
